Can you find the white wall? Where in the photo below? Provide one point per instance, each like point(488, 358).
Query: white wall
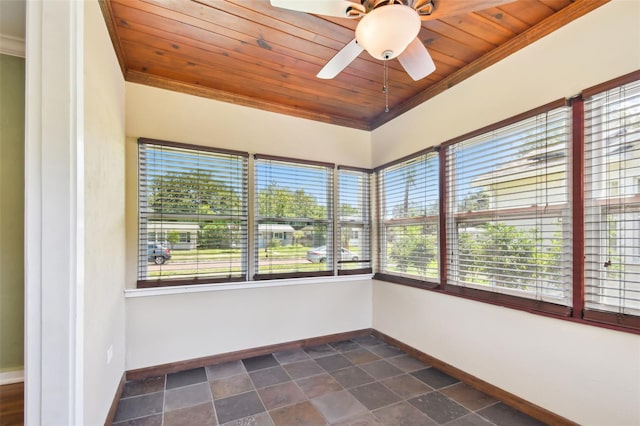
point(175, 327)
point(587, 374)
point(104, 219)
point(180, 326)
point(161, 114)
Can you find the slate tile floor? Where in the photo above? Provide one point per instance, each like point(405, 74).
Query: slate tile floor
point(354, 382)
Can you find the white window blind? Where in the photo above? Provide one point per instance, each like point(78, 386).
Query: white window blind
point(294, 218)
point(354, 220)
point(409, 217)
point(612, 201)
point(508, 212)
point(192, 205)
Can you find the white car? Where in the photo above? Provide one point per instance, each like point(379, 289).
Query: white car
point(319, 255)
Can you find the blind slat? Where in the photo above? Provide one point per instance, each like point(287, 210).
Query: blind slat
point(612, 207)
point(409, 209)
point(294, 218)
point(509, 211)
point(192, 214)
point(354, 221)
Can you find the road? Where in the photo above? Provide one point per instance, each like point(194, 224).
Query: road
point(176, 266)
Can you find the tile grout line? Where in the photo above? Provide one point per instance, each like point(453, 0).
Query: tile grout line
point(404, 369)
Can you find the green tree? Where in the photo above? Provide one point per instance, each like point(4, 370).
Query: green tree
point(346, 210)
point(509, 255)
point(278, 202)
point(197, 192)
point(506, 256)
point(415, 248)
point(173, 237)
point(187, 192)
point(219, 234)
point(472, 266)
point(548, 261)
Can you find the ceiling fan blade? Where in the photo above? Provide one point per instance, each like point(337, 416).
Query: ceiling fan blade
point(337, 8)
point(416, 60)
point(445, 8)
point(342, 59)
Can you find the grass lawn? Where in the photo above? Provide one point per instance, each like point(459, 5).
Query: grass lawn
point(263, 253)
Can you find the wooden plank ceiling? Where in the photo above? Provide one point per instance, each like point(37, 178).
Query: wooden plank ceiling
point(250, 53)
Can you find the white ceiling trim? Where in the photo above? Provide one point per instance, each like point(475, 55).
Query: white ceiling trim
point(13, 46)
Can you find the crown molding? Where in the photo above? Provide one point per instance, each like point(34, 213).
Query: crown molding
point(13, 46)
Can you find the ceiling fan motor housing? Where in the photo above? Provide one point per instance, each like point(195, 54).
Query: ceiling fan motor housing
point(386, 31)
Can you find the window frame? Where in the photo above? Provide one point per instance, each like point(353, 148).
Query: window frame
point(407, 279)
point(249, 258)
point(365, 222)
point(500, 295)
point(596, 313)
point(576, 312)
point(142, 241)
point(329, 221)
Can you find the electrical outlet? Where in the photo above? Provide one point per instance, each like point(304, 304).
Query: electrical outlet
point(109, 354)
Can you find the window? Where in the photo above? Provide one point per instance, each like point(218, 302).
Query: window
point(409, 218)
point(192, 214)
point(508, 210)
point(612, 203)
point(354, 220)
point(293, 218)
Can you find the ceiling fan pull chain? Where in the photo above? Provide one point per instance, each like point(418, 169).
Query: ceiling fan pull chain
point(385, 85)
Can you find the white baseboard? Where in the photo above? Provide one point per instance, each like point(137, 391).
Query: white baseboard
point(13, 46)
point(11, 377)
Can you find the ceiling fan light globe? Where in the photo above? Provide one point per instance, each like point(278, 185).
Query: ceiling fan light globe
point(387, 29)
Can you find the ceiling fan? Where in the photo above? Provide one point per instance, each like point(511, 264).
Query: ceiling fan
point(388, 28)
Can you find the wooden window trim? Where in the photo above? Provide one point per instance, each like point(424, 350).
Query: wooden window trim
point(407, 158)
point(149, 141)
point(594, 316)
point(623, 321)
point(329, 221)
point(611, 84)
point(411, 282)
point(339, 223)
point(355, 169)
point(507, 300)
point(500, 298)
point(147, 282)
point(508, 121)
point(293, 160)
point(383, 223)
point(284, 275)
point(358, 271)
point(187, 281)
point(577, 200)
point(442, 217)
